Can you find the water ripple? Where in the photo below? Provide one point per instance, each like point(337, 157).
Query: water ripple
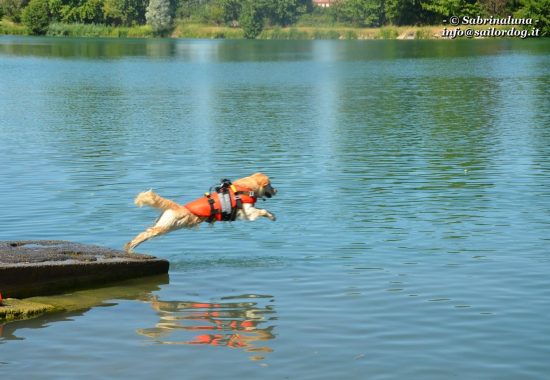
point(413, 206)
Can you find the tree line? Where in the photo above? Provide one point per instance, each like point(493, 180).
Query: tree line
point(253, 15)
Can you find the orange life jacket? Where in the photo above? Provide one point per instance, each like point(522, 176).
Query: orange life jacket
point(210, 206)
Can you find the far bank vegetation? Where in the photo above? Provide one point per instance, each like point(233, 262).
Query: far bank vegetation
point(267, 19)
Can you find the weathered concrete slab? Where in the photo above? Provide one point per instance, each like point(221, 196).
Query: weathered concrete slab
point(40, 267)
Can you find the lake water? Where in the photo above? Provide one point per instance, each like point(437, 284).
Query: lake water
point(413, 231)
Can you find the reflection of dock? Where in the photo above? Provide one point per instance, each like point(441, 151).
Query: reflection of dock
point(236, 322)
point(76, 303)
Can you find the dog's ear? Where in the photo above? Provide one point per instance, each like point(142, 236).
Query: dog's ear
point(261, 179)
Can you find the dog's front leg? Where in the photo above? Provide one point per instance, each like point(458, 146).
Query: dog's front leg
point(251, 213)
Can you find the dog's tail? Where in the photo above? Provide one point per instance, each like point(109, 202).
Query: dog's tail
point(149, 198)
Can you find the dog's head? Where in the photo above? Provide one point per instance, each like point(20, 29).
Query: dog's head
point(259, 183)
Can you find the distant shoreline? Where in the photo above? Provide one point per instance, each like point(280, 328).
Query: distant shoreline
point(312, 32)
point(202, 31)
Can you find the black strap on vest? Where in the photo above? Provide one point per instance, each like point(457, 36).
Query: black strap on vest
point(213, 210)
point(227, 211)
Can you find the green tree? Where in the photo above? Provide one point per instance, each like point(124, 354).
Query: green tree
point(124, 12)
point(91, 12)
point(231, 9)
point(537, 10)
point(113, 12)
point(276, 12)
point(37, 16)
point(82, 11)
point(12, 9)
point(190, 9)
point(446, 8)
point(360, 12)
point(159, 16)
point(407, 12)
point(211, 13)
point(284, 12)
point(376, 13)
point(252, 19)
point(55, 9)
point(494, 7)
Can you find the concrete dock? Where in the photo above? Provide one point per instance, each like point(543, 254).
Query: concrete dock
point(41, 267)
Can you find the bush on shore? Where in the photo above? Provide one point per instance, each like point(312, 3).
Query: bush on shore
point(36, 16)
point(97, 30)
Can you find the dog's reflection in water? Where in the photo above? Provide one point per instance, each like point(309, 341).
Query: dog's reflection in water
point(243, 322)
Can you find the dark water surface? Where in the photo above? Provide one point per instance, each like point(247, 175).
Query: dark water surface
point(413, 231)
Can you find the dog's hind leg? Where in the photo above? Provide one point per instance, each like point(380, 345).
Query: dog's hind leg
point(168, 221)
point(149, 233)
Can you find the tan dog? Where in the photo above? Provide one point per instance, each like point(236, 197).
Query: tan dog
point(175, 216)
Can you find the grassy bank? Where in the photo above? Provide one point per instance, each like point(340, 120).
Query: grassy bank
point(202, 31)
point(187, 30)
point(9, 27)
point(96, 30)
point(348, 33)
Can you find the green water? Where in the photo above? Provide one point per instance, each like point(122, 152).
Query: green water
point(413, 206)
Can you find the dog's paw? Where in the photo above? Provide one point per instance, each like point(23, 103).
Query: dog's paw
point(271, 217)
point(128, 248)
